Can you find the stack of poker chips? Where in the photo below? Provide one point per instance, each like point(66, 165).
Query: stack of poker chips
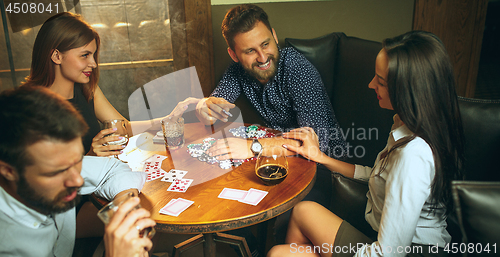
point(252, 131)
point(199, 150)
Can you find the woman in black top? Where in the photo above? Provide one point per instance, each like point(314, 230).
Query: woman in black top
point(65, 59)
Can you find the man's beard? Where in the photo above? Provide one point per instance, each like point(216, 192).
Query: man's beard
point(267, 74)
point(44, 205)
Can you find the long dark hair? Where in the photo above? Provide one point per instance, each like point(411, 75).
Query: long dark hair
point(63, 31)
point(421, 88)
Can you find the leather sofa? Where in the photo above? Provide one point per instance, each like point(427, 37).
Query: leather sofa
point(347, 65)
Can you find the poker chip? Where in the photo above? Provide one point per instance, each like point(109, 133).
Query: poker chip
point(203, 157)
point(225, 164)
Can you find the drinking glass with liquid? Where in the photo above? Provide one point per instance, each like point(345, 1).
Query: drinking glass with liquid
point(173, 132)
point(121, 131)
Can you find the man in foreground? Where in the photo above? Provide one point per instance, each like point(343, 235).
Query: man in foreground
point(43, 172)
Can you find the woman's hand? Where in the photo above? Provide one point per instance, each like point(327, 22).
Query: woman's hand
point(100, 146)
point(181, 107)
point(310, 143)
point(121, 235)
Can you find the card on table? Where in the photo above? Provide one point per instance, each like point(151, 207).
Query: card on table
point(233, 194)
point(152, 166)
point(176, 206)
point(173, 174)
point(254, 196)
point(180, 185)
point(154, 171)
point(156, 157)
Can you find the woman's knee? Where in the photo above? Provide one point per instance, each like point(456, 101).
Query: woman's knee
point(278, 251)
point(305, 208)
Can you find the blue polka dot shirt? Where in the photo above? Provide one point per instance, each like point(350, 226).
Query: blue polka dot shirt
point(294, 98)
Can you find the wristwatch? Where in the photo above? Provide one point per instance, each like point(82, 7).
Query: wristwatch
point(256, 147)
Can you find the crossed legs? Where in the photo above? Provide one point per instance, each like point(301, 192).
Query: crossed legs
point(310, 225)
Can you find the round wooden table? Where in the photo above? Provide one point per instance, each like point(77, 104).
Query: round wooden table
point(210, 214)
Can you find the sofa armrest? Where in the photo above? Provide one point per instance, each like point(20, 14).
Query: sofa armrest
point(478, 212)
point(349, 200)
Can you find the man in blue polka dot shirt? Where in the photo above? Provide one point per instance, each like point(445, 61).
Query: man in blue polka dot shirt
point(284, 87)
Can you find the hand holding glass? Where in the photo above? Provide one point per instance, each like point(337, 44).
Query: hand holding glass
point(107, 212)
point(121, 130)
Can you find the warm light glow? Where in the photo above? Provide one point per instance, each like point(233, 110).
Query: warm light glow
point(122, 24)
point(26, 31)
point(167, 22)
point(99, 25)
point(144, 23)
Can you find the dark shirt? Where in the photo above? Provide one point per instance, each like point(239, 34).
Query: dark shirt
point(86, 108)
point(294, 98)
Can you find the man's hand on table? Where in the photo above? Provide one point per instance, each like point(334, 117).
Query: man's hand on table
point(231, 148)
point(211, 109)
point(239, 148)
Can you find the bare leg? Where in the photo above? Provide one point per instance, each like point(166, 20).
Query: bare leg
point(310, 225)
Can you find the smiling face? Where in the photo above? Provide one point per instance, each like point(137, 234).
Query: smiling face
point(76, 64)
point(51, 183)
point(257, 51)
point(379, 81)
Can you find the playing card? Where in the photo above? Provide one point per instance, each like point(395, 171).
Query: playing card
point(152, 166)
point(154, 171)
point(169, 203)
point(156, 157)
point(254, 196)
point(156, 174)
point(233, 194)
point(174, 208)
point(173, 175)
point(180, 185)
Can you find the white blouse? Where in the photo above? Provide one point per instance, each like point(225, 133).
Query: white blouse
point(399, 197)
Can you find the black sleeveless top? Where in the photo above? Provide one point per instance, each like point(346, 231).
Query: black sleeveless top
point(88, 113)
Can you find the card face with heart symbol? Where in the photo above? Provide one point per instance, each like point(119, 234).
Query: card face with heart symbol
point(154, 171)
point(180, 185)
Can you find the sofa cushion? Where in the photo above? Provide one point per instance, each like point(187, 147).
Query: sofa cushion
point(321, 52)
point(477, 205)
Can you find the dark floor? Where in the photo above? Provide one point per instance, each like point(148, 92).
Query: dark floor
point(164, 244)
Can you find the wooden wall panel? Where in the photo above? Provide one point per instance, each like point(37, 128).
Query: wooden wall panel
point(460, 25)
point(192, 44)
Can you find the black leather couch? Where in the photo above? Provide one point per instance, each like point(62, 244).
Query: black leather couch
point(347, 65)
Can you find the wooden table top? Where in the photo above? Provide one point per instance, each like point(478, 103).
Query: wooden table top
point(209, 213)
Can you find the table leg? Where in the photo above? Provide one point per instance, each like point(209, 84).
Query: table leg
point(209, 245)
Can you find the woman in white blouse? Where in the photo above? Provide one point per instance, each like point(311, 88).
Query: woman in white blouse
point(410, 184)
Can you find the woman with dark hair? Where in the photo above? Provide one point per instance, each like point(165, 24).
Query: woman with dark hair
point(65, 59)
point(409, 193)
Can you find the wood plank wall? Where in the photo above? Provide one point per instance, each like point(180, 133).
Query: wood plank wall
point(460, 25)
